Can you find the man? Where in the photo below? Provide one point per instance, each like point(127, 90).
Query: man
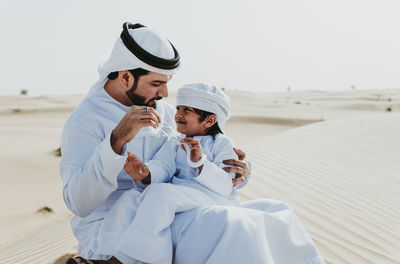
point(123, 112)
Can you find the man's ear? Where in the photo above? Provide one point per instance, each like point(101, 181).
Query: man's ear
point(126, 79)
point(210, 121)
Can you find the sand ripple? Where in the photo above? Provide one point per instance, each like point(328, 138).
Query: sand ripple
point(342, 177)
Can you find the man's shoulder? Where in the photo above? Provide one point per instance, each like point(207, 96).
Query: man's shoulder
point(83, 110)
point(95, 104)
point(91, 111)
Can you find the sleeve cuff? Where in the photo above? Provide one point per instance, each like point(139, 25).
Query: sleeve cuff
point(215, 179)
point(111, 161)
point(157, 172)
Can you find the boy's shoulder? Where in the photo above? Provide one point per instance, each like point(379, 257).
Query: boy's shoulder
point(223, 147)
point(221, 139)
point(217, 141)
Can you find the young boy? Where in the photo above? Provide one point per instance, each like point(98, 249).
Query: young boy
point(195, 166)
point(196, 160)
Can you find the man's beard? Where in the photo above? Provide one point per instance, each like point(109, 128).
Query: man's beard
point(138, 99)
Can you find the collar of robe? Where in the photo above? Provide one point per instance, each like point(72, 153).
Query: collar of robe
point(143, 55)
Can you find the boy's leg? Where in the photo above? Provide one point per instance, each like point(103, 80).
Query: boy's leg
point(148, 238)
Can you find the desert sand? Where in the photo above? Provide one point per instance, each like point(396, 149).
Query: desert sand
point(333, 156)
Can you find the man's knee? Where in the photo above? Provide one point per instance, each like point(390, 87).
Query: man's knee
point(276, 205)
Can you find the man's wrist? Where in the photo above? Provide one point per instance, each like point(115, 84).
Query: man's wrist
point(116, 144)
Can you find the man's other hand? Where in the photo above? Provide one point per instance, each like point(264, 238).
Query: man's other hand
point(240, 167)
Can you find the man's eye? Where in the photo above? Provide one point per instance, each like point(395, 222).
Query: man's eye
point(156, 84)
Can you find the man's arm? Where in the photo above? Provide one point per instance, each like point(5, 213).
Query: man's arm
point(90, 164)
point(89, 168)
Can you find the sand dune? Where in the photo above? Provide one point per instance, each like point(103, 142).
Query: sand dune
point(29, 104)
point(342, 178)
point(44, 246)
point(334, 157)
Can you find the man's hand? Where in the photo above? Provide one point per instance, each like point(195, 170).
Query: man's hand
point(137, 169)
point(131, 123)
point(241, 168)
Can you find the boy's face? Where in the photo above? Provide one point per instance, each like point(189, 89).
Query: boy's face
point(187, 122)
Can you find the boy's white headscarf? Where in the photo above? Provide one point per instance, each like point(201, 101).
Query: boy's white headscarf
point(207, 98)
point(122, 58)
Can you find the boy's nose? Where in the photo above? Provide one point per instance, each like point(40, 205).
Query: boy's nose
point(178, 113)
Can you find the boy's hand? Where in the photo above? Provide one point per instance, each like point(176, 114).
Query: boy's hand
point(195, 148)
point(137, 169)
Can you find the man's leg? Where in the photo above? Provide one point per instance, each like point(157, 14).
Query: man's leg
point(116, 221)
point(221, 234)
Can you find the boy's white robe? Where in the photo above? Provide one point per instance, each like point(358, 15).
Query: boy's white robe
point(94, 181)
point(147, 235)
point(171, 159)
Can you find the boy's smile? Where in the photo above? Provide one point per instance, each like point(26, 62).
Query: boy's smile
point(188, 122)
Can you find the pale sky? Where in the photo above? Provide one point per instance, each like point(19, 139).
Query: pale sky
point(55, 47)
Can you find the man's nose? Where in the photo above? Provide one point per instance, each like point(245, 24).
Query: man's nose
point(163, 91)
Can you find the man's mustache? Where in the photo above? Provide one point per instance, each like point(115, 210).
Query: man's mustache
point(156, 98)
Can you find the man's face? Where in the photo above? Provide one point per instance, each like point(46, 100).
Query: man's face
point(149, 88)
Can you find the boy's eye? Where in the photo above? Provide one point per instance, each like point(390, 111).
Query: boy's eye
point(185, 109)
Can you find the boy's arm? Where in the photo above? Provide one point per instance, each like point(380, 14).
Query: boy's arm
point(162, 166)
point(212, 174)
point(137, 169)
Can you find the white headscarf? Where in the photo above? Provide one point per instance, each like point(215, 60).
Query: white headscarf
point(122, 59)
point(207, 98)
